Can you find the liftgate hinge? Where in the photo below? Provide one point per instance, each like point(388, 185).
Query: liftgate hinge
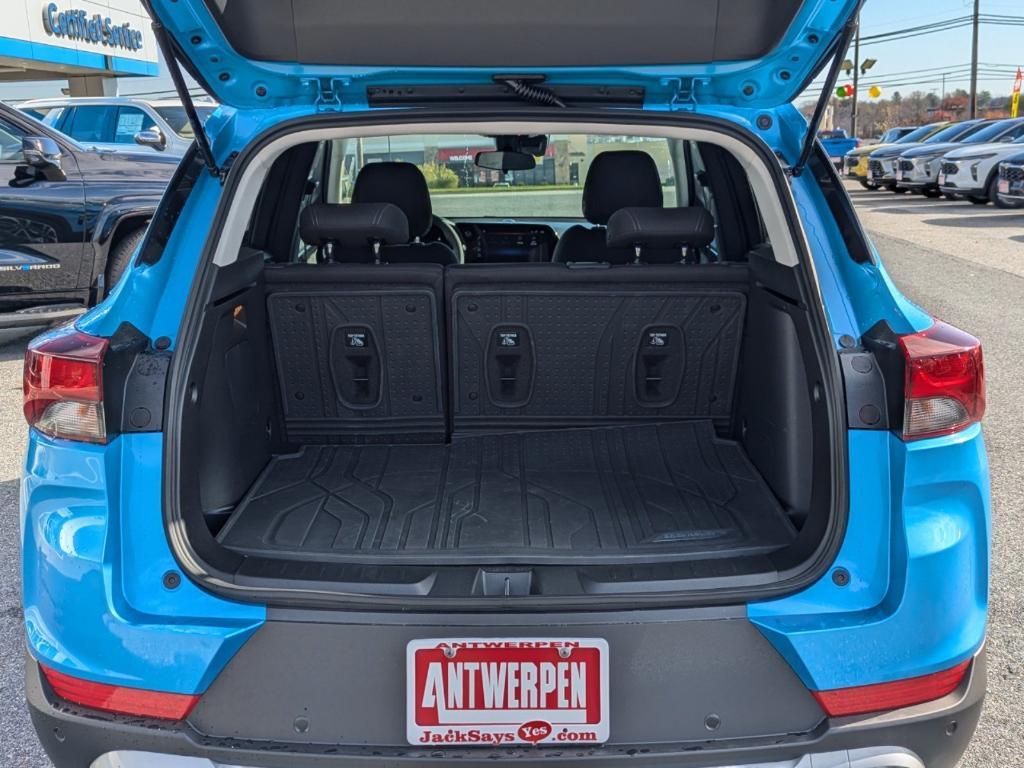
point(328, 92)
point(683, 91)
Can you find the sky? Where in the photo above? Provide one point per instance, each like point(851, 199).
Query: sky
point(916, 63)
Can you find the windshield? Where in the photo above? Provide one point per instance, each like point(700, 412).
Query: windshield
point(176, 118)
point(918, 134)
point(989, 133)
point(894, 134)
point(952, 133)
point(459, 188)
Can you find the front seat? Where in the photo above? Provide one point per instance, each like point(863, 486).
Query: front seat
point(403, 185)
point(616, 180)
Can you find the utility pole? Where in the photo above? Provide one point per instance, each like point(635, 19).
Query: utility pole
point(856, 81)
point(974, 60)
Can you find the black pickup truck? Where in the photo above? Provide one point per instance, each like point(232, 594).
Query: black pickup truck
point(70, 218)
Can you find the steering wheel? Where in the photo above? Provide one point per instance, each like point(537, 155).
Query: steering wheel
point(449, 235)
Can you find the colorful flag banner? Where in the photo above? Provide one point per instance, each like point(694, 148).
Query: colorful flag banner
point(1015, 104)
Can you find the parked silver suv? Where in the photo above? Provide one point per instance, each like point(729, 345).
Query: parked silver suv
point(120, 123)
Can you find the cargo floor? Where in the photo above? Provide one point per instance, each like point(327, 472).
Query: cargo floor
point(647, 492)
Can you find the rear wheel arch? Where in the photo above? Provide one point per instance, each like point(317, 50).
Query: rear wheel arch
point(127, 235)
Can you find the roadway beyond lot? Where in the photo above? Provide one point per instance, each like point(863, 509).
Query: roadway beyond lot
point(964, 263)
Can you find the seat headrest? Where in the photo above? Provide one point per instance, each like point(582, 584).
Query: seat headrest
point(620, 180)
point(661, 228)
point(353, 225)
point(401, 184)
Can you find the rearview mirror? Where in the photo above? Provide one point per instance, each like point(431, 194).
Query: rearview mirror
point(43, 154)
point(505, 161)
point(151, 138)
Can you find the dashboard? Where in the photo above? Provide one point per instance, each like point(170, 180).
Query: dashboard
point(503, 242)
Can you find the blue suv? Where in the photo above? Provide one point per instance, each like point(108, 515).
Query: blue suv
point(512, 384)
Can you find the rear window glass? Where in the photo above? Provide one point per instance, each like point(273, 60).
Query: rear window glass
point(513, 206)
point(177, 119)
point(459, 188)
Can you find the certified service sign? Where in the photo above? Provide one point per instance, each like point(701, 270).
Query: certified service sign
point(77, 24)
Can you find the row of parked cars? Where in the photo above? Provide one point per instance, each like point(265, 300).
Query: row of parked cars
point(978, 160)
point(79, 181)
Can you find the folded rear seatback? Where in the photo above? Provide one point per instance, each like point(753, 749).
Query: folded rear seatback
point(552, 345)
point(359, 350)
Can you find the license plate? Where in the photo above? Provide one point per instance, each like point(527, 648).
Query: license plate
point(942, 179)
point(496, 692)
point(899, 174)
point(1004, 186)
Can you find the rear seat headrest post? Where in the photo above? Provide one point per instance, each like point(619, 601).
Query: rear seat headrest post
point(682, 231)
point(363, 228)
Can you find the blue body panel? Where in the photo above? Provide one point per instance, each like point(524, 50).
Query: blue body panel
point(916, 544)
point(94, 556)
point(916, 548)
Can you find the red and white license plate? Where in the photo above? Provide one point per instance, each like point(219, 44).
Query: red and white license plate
point(492, 692)
point(1004, 186)
point(942, 179)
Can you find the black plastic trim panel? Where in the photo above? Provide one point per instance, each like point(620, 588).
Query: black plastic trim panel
point(432, 95)
point(938, 733)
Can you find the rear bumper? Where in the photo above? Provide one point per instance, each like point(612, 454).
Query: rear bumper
point(885, 757)
point(933, 735)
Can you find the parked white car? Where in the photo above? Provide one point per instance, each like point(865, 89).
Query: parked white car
point(973, 171)
point(120, 123)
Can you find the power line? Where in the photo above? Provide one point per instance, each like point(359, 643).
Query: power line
point(946, 25)
point(938, 26)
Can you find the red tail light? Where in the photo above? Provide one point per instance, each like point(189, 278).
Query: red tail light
point(895, 695)
point(945, 381)
point(64, 385)
point(118, 699)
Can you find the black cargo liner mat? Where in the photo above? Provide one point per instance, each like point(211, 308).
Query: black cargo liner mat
point(641, 492)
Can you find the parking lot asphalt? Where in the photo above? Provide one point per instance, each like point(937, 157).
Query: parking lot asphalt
point(964, 263)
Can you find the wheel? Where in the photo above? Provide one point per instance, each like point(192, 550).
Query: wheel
point(868, 184)
point(949, 196)
point(119, 257)
point(978, 200)
point(993, 195)
point(899, 190)
point(932, 193)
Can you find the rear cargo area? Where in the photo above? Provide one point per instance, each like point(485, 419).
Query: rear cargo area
point(384, 425)
point(636, 492)
point(521, 415)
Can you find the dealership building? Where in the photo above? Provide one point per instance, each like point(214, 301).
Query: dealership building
point(88, 43)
